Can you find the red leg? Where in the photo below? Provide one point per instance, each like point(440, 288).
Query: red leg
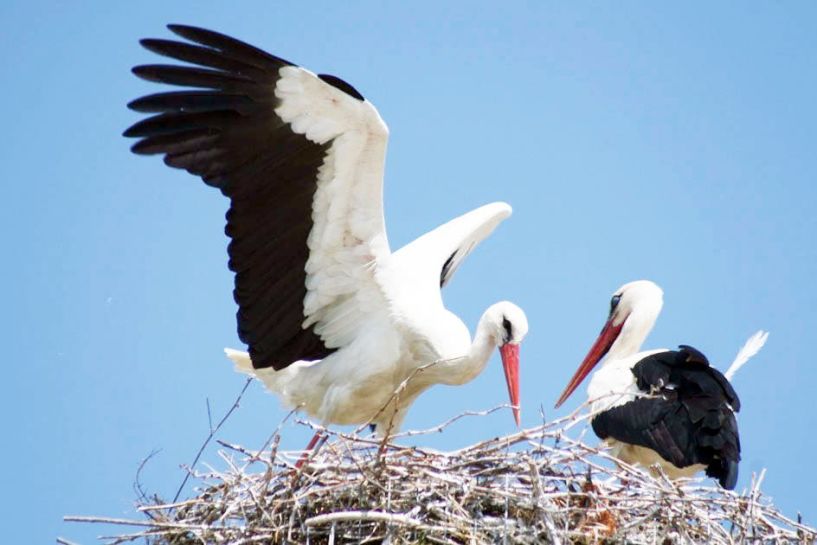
point(312, 442)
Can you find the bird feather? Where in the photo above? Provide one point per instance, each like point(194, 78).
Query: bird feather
point(751, 347)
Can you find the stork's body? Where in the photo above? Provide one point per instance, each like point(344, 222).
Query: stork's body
point(341, 391)
point(659, 407)
point(335, 322)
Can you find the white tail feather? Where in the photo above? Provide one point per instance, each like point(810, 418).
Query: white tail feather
point(276, 382)
point(750, 348)
point(241, 359)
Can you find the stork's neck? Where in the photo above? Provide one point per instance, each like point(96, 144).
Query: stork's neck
point(637, 327)
point(465, 369)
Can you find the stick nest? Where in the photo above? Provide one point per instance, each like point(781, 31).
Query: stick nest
point(535, 486)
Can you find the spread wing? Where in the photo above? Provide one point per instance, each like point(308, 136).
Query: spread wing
point(426, 264)
point(300, 157)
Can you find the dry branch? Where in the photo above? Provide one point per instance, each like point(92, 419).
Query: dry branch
point(534, 486)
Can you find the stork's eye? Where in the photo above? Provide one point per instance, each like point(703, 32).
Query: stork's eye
point(508, 327)
point(614, 303)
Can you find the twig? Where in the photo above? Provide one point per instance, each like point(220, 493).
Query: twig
point(137, 484)
point(213, 431)
point(375, 516)
point(541, 484)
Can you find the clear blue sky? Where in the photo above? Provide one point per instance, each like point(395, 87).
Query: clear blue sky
point(669, 142)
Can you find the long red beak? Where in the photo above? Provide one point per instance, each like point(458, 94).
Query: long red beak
point(606, 339)
point(510, 362)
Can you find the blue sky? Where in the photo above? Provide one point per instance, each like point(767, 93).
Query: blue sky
point(669, 142)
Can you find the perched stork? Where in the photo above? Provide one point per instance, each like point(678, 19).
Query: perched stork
point(664, 407)
point(335, 322)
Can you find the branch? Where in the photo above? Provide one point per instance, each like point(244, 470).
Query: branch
point(213, 431)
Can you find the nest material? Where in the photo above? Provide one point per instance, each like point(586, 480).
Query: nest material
point(535, 486)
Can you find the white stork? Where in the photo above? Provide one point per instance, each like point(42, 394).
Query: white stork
point(664, 407)
point(335, 322)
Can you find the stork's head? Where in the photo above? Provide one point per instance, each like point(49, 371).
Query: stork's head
point(634, 308)
point(509, 326)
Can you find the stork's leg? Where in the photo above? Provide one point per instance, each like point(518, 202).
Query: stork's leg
point(319, 435)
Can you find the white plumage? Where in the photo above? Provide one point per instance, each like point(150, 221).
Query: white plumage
point(335, 322)
point(401, 327)
point(358, 383)
point(749, 349)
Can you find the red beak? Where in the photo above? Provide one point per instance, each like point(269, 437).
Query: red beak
point(606, 339)
point(510, 362)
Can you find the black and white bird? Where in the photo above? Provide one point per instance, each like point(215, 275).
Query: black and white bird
point(334, 320)
point(661, 407)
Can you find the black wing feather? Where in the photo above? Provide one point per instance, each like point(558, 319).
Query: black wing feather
point(192, 101)
point(202, 56)
point(225, 130)
point(230, 46)
point(689, 420)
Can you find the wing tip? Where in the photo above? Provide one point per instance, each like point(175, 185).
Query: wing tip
point(498, 209)
point(184, 31)
point(131, 132)
point(145, 72)
point(503, 207)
